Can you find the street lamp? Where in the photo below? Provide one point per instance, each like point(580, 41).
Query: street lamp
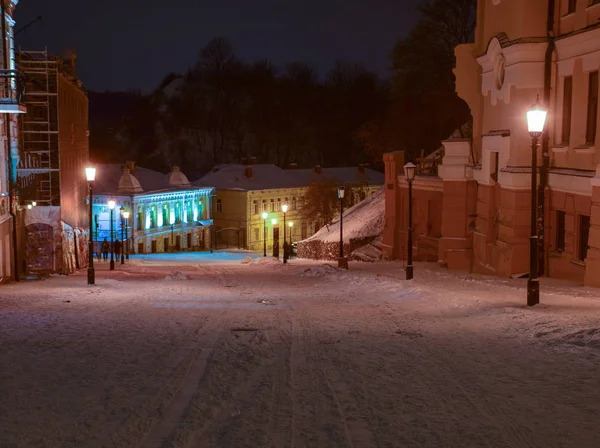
point(342, 262)
point(536, 119)
point(409, 173)
point(111, 206)
point(264, 216)
point(273, 222)
point(122, 236)
point(290, 224)
point(284, 209)
point(126, 217)
point(90, 175)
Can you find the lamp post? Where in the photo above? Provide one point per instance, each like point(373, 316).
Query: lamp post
point(290, 224)
point(409, 174)
point(264, 216)
point(111, 206)
point(90, 174)
point(122, 236)
point(284, 209)
point(536, 119)
point(273, 222)
point(126, 217)
point(342, 262)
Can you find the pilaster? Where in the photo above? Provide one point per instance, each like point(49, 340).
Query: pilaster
point(592, 262)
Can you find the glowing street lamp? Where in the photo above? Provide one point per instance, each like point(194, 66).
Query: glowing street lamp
point(126, 217)
point(536, 120)
point(409, 174)
point(90, 175)
point(111, 206)
point(284, 209)
point(264, 216)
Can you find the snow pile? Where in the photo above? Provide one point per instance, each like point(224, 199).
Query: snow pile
point(177, 275)
point(262, 260)
point(319, 271)
point(363, 229)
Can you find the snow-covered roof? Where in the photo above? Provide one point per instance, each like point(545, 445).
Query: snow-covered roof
point(268, 177)
point(113, 178)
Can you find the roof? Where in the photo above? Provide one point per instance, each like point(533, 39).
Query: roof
point(108, 178)
point(269, 177)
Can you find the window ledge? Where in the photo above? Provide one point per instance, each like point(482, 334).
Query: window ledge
point(560, 149)
point(593, 6)
point(579, 263)
point(585, 149)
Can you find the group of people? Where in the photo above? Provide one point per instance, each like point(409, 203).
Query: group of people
point(104, 251)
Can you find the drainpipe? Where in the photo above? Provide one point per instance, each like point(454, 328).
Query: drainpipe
point(11, 168)
point(542, 236)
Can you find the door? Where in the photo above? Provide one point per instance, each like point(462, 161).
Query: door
point(140, 248)
point(154, 246)
point(276, 242)
point(178, 243)
point(189, 240)
point(166, 245)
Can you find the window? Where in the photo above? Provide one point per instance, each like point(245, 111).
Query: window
point(256, 234)
point(272, 205)
point(293, 203)
point(571, 5)
point(494, 167)
point(304, 231)
point(219, 205)
point(592, 114)
point(278, 204)
point(584, 234)
point(255, 207)
point(560, 231)
point(264, 205)
point(567, 104)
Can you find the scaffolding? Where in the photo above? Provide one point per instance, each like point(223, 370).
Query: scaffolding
point(38, 169)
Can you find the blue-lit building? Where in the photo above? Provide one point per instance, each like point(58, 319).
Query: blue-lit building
point(166, 213)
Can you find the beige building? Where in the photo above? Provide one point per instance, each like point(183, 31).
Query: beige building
point(244, 192)
point(484, 184)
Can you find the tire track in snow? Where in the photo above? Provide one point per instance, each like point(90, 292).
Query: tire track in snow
point(162, 433)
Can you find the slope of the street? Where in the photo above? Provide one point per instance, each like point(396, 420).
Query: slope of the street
point(191, 351)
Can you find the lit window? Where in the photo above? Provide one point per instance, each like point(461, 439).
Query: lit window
point(219, 205)
point(272, 205)
point(255, 207)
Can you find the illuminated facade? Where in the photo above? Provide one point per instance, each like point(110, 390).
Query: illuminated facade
point(522, 49)
point(11, 104)
point(167, 214)
point(244, 192)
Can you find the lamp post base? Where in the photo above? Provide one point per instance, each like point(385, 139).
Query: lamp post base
point(342, 262)
point(533, 292)
point(91, 276)
point(409, 272)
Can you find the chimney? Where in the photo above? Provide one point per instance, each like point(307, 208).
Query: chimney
point(131, 166)
point(174, 169)
point(248, 172)
point(252, 160)
point(318, 169)
point(361, 169)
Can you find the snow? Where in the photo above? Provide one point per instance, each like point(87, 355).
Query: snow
point(364, 219)
point(240, 350)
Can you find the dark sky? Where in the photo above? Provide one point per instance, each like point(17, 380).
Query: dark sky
point(123, 44)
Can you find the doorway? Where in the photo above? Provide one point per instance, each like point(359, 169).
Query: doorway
point(276, 242)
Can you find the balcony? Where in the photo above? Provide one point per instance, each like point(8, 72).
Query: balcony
point(12, 92)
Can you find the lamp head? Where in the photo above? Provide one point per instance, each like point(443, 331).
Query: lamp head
point(126, 215)
point(291, 224)
point(341, 192)
point(536, 119)
point(90, 173)
point(409, 171)
point(111, 204)
point(284, 208)
point(264, 215)
point(33, 203)
point(274, 221)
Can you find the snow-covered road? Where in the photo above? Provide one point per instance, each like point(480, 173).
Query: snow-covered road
point(189, 352)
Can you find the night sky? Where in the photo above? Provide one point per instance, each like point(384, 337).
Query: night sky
point(129, 44)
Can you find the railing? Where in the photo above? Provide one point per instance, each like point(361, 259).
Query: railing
point(12, 87)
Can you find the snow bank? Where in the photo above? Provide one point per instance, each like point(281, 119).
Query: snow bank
point(363, 229)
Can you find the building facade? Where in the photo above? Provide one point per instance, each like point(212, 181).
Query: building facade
point(54, 152)
point(12, 104)
point(244, 192)
point(167, 214)
point(522, 49)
